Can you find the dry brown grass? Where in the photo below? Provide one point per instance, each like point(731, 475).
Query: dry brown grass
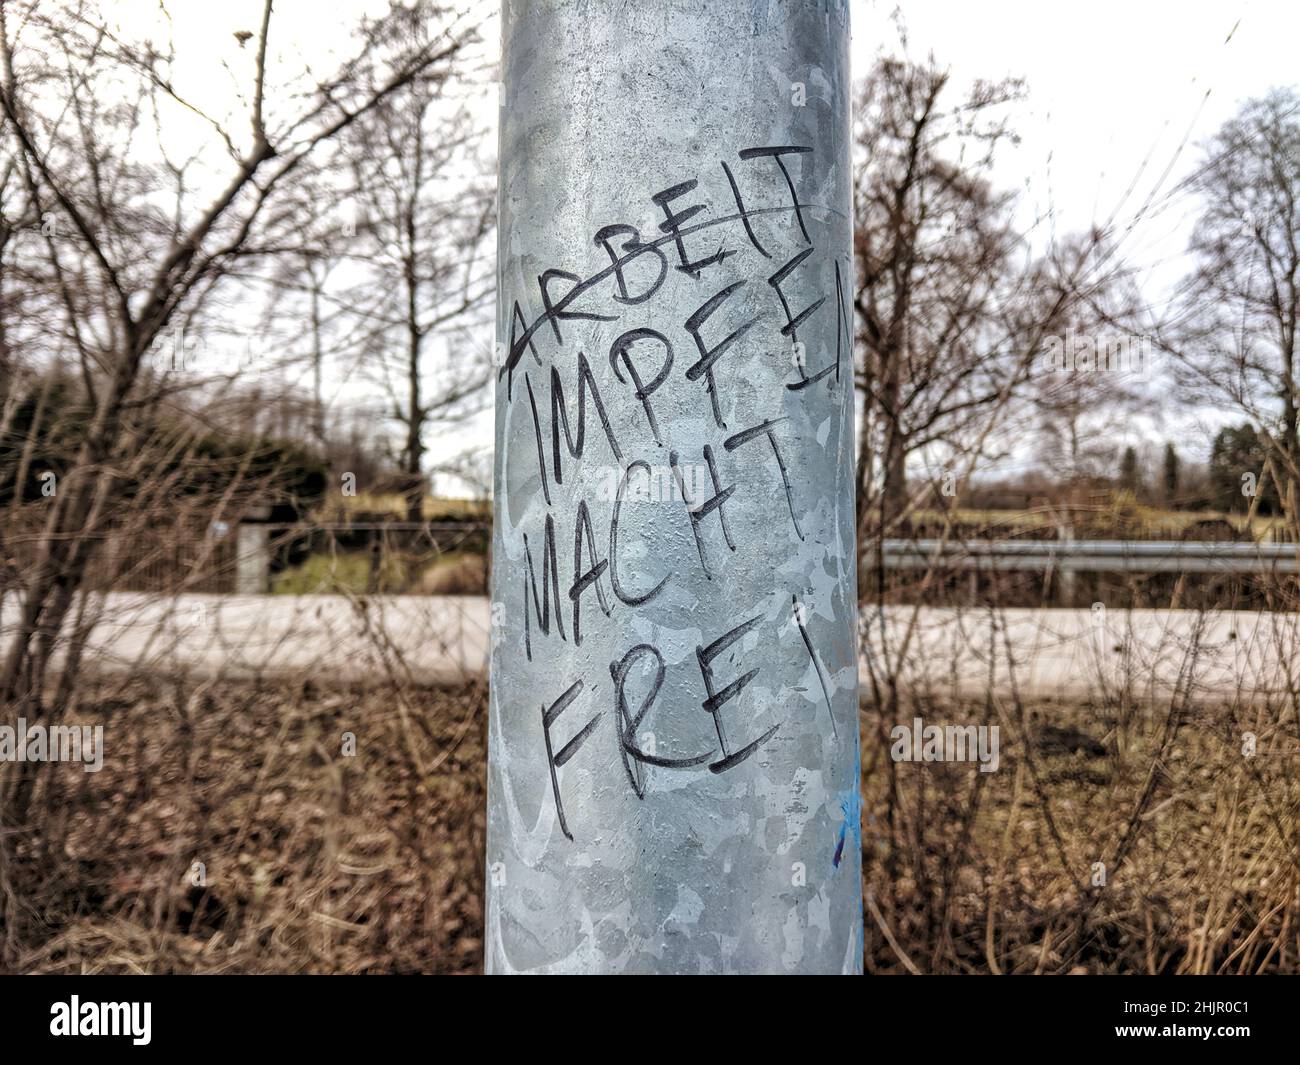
point(315, 862)
point(995, 872)
point(321, 863)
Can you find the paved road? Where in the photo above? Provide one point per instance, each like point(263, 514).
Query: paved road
point(1068, 654)
point(1088, 654)
point(322, 636)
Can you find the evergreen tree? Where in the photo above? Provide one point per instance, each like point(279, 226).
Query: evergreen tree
point(1128, 470)
point(1171, 473)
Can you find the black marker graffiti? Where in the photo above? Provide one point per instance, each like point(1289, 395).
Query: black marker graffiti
point(557, 759)
point(718, 699)
point(694, 251)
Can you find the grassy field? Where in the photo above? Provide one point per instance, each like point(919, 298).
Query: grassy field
point(1120, 516)
point(1117, 513)
point(360, 573)
point(230, 832)
point(435, 508)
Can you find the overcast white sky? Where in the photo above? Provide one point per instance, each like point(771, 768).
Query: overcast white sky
point(1120, 92)
point(1110, 82)
point(1120, 95)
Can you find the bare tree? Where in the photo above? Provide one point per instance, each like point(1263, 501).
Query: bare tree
point(1234, 334)
point(423, 215)
point(953, 307)
point(138, 242)
point(935, 267)
point(1096, 373)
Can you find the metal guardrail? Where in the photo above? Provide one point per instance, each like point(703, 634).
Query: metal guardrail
point(1092, 556)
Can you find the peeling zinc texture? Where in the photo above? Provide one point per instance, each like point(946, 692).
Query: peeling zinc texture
point(673, 780)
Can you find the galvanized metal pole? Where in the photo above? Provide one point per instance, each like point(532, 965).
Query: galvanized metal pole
point(673, 753)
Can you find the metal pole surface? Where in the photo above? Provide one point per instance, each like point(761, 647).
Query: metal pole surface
point(673, 751)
